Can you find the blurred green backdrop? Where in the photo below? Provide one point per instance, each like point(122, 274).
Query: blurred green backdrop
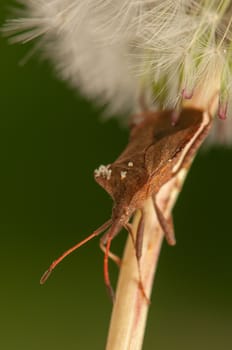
point(51, 139)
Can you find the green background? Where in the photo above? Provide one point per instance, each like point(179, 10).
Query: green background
point(51, 139)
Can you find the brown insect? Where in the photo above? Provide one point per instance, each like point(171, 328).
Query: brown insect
point(157, 150)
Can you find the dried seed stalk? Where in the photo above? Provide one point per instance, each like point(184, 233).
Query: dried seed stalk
point(130, 309)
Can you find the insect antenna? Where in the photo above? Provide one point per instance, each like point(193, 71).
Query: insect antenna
point(70, 250)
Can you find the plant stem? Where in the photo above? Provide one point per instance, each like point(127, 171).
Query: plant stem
point(130, 309)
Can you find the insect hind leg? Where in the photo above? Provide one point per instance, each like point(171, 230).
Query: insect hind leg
point(137, 243)
point(165, 224)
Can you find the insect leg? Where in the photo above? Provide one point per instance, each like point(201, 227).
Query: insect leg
point(137, 243)
point(166, 224)
point(139, 237)
point(106, 268)
point(112, 256)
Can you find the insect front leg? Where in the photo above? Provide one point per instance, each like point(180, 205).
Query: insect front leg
point(112, 256)
point(106, 268)
point(166, 224)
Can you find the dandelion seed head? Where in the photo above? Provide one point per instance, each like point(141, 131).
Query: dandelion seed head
point(113, 51)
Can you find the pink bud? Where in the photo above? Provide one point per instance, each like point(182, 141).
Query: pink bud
point(222, 110)
point(187, 95)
